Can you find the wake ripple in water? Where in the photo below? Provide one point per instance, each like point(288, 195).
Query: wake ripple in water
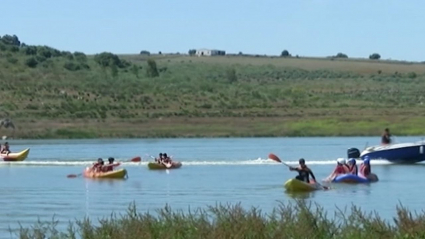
point(259, 161)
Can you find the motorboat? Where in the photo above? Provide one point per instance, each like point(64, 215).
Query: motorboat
point(400, 153)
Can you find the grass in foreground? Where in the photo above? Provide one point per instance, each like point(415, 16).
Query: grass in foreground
point(298, 220)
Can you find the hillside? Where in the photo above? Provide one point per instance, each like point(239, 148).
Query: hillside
point(49, 93)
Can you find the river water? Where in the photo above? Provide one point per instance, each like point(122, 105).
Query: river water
point(224, 170)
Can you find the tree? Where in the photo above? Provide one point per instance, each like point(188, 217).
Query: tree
point(285, 53)
point(79, 56)
point(152, 70)
point(10, 40)
point(106, 59)
point(192, 52)
point(375, 56)
point(144, 52)
point(341, 55)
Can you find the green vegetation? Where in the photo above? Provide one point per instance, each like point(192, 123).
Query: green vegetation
point(298, 220)
point(58, 94)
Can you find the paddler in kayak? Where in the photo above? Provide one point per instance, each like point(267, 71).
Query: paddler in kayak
point(166, 160)
point(341, 168)
point(303, 172)
point(352, 167)
point(159, 159)
point(97, 167)
point(110, 166)
point(5, 149)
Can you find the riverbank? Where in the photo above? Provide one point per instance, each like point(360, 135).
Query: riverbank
point(176, 127)
point(297, 220)
point(48, 93)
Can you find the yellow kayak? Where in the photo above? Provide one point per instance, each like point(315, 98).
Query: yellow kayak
point(295, 185)
point(120, 173)
point(20, 156)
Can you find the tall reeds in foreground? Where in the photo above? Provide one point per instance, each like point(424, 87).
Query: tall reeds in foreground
point(294, 220)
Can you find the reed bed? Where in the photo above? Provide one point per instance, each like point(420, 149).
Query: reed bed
point(294, 220)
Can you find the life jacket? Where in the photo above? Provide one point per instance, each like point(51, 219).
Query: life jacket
point(354, 170)
point(304, 173)
point(339, 169)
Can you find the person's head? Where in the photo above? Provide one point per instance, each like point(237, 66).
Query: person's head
point(387, 130)
point(111, 160)
point(340, 161)
point(6, 144)
point(165, 155)
point(160, 155)
point(99, 160)
point(352, 161)
point(302, 162)
point(366, 160)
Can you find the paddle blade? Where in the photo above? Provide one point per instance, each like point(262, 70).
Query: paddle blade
point(275, 158)
point(136, 159)
point(72, 176)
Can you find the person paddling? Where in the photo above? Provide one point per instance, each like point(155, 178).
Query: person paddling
point(97, 167)
point(159, 159)
point(303, 172)
point(111, 165)
point(167, 160)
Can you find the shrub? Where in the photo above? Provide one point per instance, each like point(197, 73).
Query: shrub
point(31, 62)
point(375, 56)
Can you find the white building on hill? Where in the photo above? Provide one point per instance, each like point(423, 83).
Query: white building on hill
point(209, 52)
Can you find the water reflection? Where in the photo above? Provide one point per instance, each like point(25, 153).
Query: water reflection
point(300, 195)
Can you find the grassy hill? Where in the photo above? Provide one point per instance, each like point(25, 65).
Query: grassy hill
point(50, 93)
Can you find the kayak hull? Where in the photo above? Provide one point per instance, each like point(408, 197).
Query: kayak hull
point(157, 166)
point(295, 185)
point(351, 178)
point(120, 173)
point(12, 157)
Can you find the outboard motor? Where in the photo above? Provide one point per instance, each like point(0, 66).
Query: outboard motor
point(353, 153)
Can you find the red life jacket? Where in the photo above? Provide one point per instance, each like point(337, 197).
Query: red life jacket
point(339, 169)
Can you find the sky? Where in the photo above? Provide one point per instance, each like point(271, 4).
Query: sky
point(393, 28)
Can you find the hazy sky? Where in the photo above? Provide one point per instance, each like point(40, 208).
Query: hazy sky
point(395, 29)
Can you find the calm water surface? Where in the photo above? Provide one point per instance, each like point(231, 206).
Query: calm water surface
point(214, 171)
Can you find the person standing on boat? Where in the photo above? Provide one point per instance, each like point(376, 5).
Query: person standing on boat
point(303, 172)
point(386, 137)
